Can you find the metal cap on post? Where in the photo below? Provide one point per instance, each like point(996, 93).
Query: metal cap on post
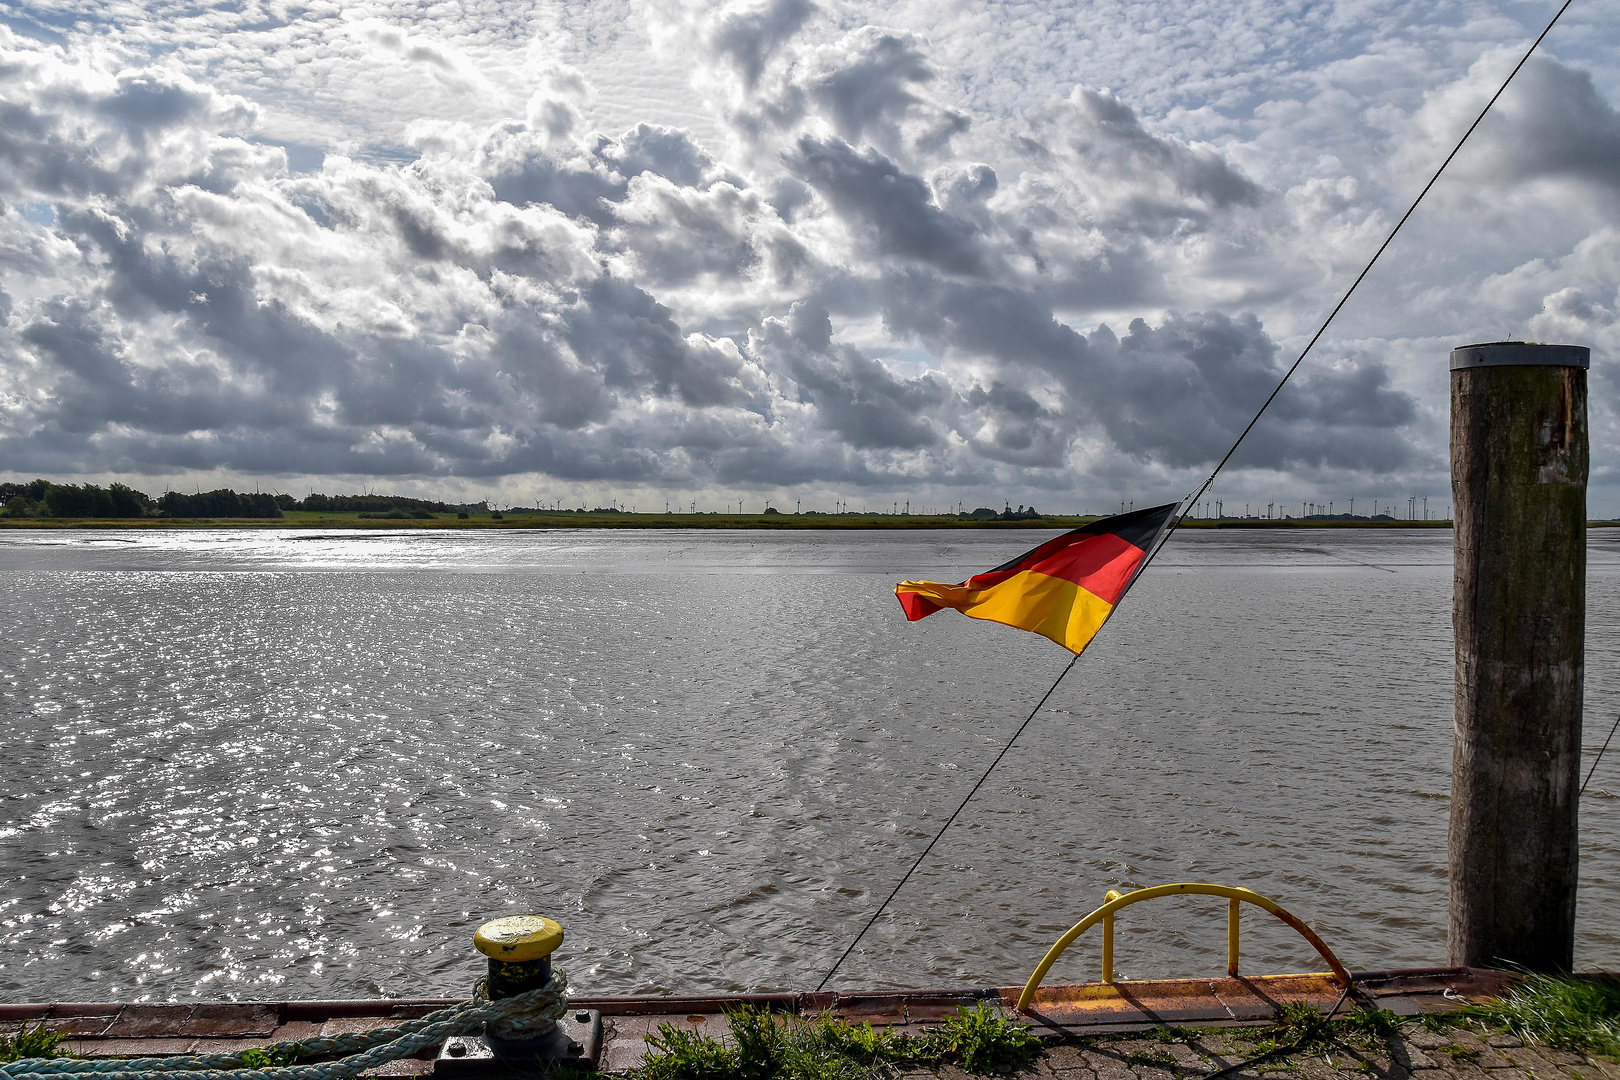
point(1520, 354)
point(1519, 460)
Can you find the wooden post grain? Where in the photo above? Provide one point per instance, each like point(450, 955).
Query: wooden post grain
point(1518, 478)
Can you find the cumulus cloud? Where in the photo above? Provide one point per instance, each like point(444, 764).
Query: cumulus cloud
point(1553, 126)
point(891, 213)
point(864, 283)
point(852, 394)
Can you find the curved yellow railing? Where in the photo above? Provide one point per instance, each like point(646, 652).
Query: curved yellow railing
point(1114, 901)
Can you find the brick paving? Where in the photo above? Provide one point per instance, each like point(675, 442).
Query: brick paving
point(1448, 1053)
point(1414, 1054)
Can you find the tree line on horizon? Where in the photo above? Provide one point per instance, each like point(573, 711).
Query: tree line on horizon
point(45, 499)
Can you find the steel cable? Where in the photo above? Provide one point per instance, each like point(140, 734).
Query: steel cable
point(1190, 500)
point(1193, 498)
point(960, 807)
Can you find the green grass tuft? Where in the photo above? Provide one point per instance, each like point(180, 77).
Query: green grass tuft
point(267, 1059)
point(1156, 1056)
point(677, 1054)
point(770, 1046)
point(1299, 1024)
point(866, 1045)
point(982, 1039)
point(35, 1043)
point(1567, 1013)
point(1375, 1024)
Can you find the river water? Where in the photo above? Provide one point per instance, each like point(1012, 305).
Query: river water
point(275, 765)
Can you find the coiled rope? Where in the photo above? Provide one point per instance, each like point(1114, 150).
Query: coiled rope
point(526, 1015)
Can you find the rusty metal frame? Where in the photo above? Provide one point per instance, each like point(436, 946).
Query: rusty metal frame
point(1235, 897)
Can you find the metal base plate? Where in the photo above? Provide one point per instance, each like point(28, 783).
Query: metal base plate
point(577, 1037)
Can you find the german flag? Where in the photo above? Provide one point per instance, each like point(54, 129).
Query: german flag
point(1064, 590)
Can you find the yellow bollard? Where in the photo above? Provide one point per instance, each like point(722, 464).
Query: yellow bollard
point(519, 949)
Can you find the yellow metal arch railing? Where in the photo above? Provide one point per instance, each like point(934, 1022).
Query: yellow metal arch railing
point(1234, 896)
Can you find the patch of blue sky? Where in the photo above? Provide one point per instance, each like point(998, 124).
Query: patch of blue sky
point(908, 362)
point(380, 155)
point(38, 213)
point(301, 157)
point(41, 26)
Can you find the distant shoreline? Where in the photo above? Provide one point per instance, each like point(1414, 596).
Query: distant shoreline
point(301, 520)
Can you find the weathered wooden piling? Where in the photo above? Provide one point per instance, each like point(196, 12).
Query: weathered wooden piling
point(1518, 478)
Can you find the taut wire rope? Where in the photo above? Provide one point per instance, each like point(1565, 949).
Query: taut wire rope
point(1193, 498)
point(1190, 500)
point(963, 805)
point(1599, 757)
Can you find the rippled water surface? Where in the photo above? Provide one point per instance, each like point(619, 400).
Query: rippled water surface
point(281, 765)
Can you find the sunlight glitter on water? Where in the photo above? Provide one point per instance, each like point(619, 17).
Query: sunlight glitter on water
point(264, 765)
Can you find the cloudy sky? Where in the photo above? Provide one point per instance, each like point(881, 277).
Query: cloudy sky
point(1037, 253)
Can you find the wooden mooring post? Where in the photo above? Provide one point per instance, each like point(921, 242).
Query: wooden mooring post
point(1518, 479)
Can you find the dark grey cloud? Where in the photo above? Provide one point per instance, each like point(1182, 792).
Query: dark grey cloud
point(534, 297)
point(1552, 124)
point(748, 37)
point(520, 170)
point(664, 151)
point(679, 235)
point(1181, 392)
point(563, 392)
point(1016, 428)
point(872, 86)
point(962, 190)
point(344, 401)
point(526, 168)
point(633, 340)
point(217, 300)
point(893, 208)
point(853, 395)
point(65, 138)
point(144, 102)
point(1176, 395)
point(1107, 135)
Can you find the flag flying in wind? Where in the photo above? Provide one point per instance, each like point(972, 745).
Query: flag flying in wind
point(1065, 589)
